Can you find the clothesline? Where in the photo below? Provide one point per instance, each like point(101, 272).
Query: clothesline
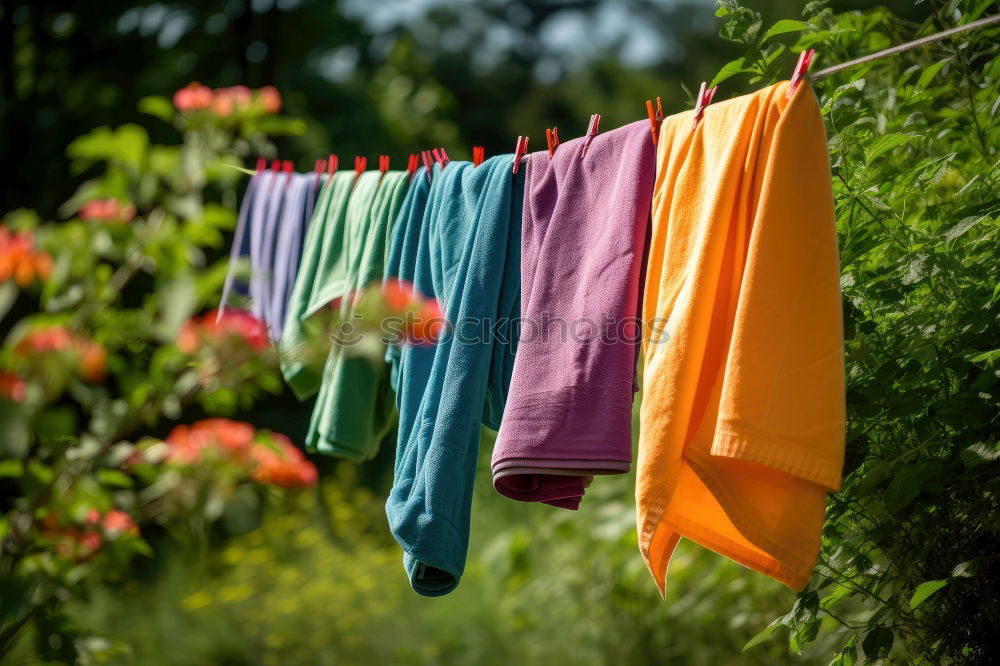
point(981, 23)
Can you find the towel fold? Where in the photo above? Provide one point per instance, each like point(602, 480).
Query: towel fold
point(467, 259)
point(354, 408)
point(743, 416)
point(569, 411)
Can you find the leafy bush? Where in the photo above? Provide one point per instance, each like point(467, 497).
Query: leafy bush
point(97, 355)
point(910, 570)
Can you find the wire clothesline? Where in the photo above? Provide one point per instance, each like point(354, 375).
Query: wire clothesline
point(981, 23)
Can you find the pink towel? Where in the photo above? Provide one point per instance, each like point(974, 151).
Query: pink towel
point(569, 409)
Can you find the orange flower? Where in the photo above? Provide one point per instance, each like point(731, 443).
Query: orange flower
point(91, 357)
point(270, 98)
point(107, 210)
point(210, 327)
point(271, 457)
point(281, 463)
point(427, 326)
point(193, 97)
point(20, 260)
point(12, 387)
point(222, 103)
point(398, 295)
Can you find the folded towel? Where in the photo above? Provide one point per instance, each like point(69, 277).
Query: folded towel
point(299, 203)
point(468, 259)
point(325, 230)
point(354, 409)
point(743, 416)
point(402, 254)
point(569, 412)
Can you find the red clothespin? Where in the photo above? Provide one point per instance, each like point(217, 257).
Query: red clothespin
point(440, 156)
point(659, 110)
point(801, 69)
point(319, 169)
point(445, 158)
point(478, 155)
point(425, 155)
point(519, 151)
point(552, 139)
point(704, 99)
point(276, 166)
point(654, 125)
point(383, 163)
point(360, 164)
point(592, 130)
point(412, 164)
point(288, 168)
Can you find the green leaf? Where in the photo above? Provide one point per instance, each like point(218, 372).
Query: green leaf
point(764, 636)
point(887, 143)
point(731, 68)
point(877, 643)
point(114, 477)
point(929, 73)
point(11, 469)
point(783, 26)
point(925, 590)
point(161, 107)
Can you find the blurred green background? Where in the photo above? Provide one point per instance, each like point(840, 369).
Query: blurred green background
point(321, 582)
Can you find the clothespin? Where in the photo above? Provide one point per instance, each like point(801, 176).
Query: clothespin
point(319, 169)
point(383, 163)
point(360, 164)
point(659, 110)
point(425, 155)
point(276, 166)
point(288, 168)
point(478, 155)
point(801, 69)
point(261, 166)
point(704, 99)
point(331, 168)
point(519, 151)
point(654, 125)
point(440, 156)
point(592, 129)
point(446, 159)
point(412, 164)
point(552, 139)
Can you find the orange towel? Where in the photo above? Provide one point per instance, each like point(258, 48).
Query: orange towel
point(743, 416)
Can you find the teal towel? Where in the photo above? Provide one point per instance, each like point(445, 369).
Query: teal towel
point(468, 258)
point(402, 254)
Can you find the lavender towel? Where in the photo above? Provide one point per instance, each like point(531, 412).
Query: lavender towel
point(569, 410)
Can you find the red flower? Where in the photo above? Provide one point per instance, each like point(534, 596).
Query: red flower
point(20, 260)
point(271, 457)
point(222, 103)
point(12, 387)
point(91, 358)
point(107, 210)
point(192, 97)
point(427, 326)
point(281, 463)
point(398, 295)
point(213, 328)
point(270, 98)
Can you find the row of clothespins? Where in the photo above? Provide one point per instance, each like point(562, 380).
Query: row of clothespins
point(440, 156)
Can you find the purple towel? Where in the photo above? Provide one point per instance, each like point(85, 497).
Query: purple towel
point(569, 409)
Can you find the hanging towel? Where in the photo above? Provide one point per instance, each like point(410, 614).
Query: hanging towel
point(324, 232)
point(240, 249)
point(743, 417)
point(402, 255)
point(354, 409)
point(569, 412)
point(264, 223)
point(468, 259)
point(284, 262)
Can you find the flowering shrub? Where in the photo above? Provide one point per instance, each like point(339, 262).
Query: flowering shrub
point(101, 345)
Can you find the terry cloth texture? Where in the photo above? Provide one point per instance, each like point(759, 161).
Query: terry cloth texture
point(569, 413)
point(468, 259)
point(324, 239)
point(295, 216)
point(402, 256)
point(742, 421)
point(354, 409)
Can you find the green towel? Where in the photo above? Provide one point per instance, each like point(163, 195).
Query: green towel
point(354, 409)
point(325, 232)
